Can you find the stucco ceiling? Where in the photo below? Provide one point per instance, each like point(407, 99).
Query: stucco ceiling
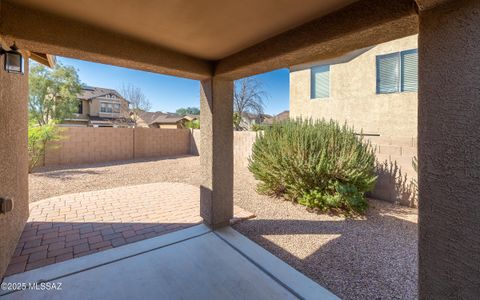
point(211, 29)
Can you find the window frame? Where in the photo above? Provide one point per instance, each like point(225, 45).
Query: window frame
point(312, 82)
point(400, 74)
point(106, 108)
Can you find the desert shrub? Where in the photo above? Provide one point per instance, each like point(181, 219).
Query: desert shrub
point(38, 138)
point(258, 127)
point(316, 163)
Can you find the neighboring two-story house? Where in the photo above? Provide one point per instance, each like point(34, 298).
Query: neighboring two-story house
point(100, 107)
point(375, 91)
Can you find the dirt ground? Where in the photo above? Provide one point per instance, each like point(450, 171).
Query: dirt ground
point(371, 257)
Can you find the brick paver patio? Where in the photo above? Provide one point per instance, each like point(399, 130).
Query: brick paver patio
point(69, 226)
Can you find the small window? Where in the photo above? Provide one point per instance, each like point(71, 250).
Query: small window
point(103, 107)
point(80, 107)
point(116, 108)
point(320, 82)
point(397, 72)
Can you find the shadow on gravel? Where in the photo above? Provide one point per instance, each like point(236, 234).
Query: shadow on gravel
point(355, 258)
point(40, 170)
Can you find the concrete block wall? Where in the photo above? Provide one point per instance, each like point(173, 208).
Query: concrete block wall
point(81, 145)
point(396, 175)
point(153, 142)
point(242, 146)
point(87, 145)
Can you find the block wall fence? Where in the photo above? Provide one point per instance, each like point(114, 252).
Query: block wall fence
point(81, 145)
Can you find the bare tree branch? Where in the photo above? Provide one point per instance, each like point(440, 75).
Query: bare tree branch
point(138, 101)
point(248, 98)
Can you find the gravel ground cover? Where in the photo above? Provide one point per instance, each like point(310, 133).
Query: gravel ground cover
point(371, 257)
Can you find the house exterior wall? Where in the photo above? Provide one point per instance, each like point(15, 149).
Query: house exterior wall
point(169, 126)
point(13, 159)
point(354, 100)
point(86, 108)
point(94, 107)
point(141, 123)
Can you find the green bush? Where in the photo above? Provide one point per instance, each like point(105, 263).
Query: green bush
point(258, 127)
point(38, 139)
point(194, 124)
point(316, 163)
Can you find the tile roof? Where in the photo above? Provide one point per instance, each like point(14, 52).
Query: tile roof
point(168, 119)
point(149, 117)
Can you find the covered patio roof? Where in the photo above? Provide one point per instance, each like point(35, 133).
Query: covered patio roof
point(230, 38)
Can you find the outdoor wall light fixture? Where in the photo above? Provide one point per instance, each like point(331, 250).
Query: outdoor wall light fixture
point(13, 62)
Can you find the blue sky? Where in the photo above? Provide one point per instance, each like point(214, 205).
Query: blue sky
point(167, 93)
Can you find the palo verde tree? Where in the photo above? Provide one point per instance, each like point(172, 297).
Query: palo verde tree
point(52, 93)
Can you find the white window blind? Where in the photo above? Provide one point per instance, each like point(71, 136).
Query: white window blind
point(397, 72)
point(410, 71)
point(320, 82)
point(388, 67)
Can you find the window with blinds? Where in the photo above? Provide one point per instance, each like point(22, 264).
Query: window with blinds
point(320, 82)
point(397, 72)
point(409, 70)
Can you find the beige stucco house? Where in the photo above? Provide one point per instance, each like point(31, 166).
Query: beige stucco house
point(353, 88)
point(100, 107)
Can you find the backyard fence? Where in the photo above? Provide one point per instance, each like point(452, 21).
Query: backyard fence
point(81, 145)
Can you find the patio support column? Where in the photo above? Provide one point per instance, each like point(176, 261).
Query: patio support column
point(13, 158)
point(216, 151)
point(449, 151)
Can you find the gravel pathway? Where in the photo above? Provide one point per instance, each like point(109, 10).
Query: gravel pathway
point(373, 257)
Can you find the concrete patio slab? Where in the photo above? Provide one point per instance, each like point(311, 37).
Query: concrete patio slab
point(194, 263)
point(74, 225)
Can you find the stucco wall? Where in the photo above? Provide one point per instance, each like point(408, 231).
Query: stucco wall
point(88, 144)
point(353, 95)
point(449, 151)
point(13, 159)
